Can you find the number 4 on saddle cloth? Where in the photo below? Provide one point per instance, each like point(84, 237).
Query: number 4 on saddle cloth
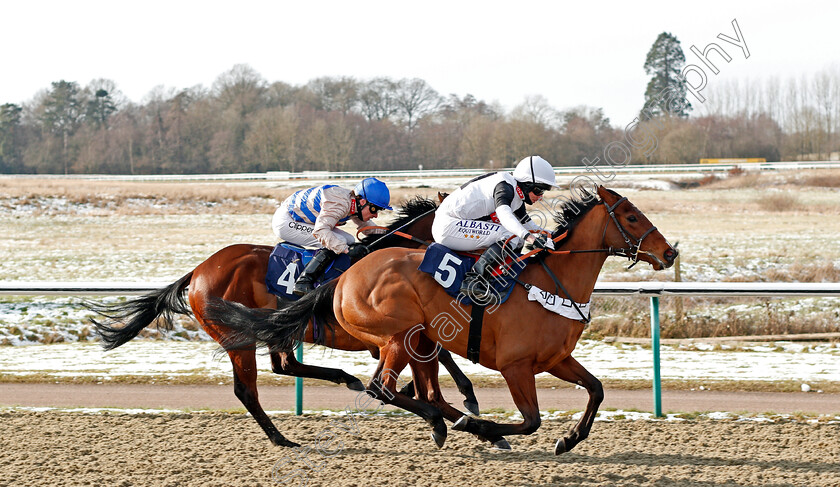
point(286, 263)
point(448, 269)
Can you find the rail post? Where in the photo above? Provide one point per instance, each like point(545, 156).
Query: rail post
point(654, 345)
point(299, 382)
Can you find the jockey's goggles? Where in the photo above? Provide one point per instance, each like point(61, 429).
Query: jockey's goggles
point(373, 208)
point(539, 189)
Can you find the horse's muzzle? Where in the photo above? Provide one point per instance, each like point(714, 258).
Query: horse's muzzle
point(670, 256)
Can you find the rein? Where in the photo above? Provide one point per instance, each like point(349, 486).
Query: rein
point(398, 232)
point(631, 252)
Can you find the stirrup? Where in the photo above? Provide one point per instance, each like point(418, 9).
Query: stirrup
point(474, 287)
point(303, 287)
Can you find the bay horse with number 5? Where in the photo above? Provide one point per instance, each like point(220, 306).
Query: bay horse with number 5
point(386, 302)
point(237, 273)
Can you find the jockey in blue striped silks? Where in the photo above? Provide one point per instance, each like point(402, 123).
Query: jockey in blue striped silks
point(310, 216)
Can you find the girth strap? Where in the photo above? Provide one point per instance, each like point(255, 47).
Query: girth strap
point(474, 341)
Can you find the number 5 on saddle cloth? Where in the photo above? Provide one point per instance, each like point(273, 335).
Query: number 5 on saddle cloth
point(287, 262)
point(448, 268)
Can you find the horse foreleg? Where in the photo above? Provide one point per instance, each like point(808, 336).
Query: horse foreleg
point(286, 364)
point(462, 381)
point(571, 371)
point(523, 389)
point(245, 388)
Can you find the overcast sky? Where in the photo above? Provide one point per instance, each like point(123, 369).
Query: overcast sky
point(571, 54)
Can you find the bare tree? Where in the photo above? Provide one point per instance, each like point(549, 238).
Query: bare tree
point(336, 94)
point(378, 99)
point(240, 88)
point(415, 98)
point(272, 143)
point(536, 109)
point(330, 143)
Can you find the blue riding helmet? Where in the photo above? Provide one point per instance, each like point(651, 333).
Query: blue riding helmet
point(375, 192)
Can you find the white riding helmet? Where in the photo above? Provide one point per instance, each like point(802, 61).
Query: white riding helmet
point(535, 170)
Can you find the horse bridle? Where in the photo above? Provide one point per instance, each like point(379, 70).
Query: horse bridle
point(632, 250)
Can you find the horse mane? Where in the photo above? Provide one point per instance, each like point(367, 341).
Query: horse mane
point(571, 211)
point(409, 210)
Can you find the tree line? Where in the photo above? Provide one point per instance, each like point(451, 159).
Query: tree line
point(243, 123)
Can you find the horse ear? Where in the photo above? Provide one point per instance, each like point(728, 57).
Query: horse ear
point(442, 196)
point(603, 192)
point(608, 195)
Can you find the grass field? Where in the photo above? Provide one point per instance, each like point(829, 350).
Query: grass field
point(777, 227)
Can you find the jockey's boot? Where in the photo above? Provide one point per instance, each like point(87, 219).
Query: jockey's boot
point(313, 271)
point(476, 283)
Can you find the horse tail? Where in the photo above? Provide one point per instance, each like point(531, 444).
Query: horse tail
point(138, 313)
point(281, 329)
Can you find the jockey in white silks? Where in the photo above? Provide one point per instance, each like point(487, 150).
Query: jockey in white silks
point(487, 210)
point(310, 216)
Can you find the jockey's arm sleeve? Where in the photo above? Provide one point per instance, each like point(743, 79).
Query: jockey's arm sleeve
point(502, 197)
point(503, 194)
point(509, 221)
point(329, 216)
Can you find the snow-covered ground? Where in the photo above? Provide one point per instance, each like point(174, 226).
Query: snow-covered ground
point(171, 359)
point(57, 240)
point(617, 415)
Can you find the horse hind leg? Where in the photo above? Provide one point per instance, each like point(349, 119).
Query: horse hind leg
point(286, 364)
point(245, 387)
point(463, 383)
point(571, 371)
point(383, 386)
point(428, 388)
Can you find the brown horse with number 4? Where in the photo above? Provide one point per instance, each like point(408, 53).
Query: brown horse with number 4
point(237, 273)
point(383, 298)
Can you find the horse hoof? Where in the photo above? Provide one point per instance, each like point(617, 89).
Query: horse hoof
point(461, 424)
point(472, 407)
point(560, 446)
point(438, 439)
point(282, 441)
point(356, 385)
point(502, 445)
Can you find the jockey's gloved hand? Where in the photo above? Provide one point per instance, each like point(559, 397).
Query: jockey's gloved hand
point(541, 241)
point(357, 251)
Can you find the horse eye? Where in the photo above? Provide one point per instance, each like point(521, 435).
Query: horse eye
point(632, 219)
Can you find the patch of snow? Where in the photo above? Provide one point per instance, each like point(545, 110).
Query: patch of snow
point(617, 415)
point(626, 362)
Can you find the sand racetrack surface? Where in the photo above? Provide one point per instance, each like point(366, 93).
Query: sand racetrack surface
point(228, 449)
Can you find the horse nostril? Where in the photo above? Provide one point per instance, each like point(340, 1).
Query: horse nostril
point(671, 255)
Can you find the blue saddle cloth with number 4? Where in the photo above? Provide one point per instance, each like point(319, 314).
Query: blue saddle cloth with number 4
point(448, 268)
point(286, 263)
